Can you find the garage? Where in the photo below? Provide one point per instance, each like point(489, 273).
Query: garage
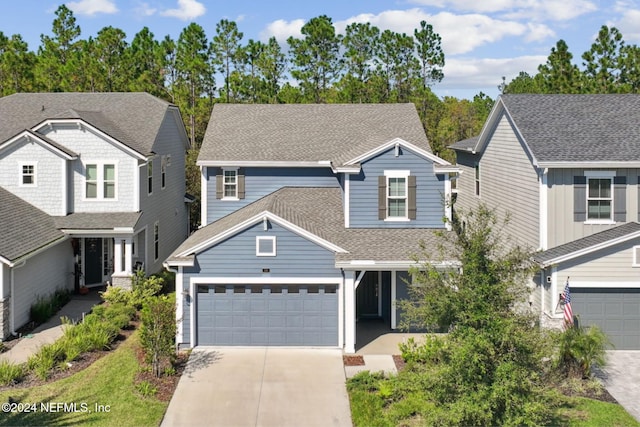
point(615, 311)
point(267, 315)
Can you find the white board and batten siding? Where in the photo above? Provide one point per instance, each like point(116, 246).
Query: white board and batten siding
point(562, 228)
point(50, 169)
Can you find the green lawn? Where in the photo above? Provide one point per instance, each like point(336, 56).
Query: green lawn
point(582, 412)
point(108, 382)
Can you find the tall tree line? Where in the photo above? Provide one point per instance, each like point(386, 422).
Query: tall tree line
point(609, 66)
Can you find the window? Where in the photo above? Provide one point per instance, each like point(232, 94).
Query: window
point(599, 198)
point(100, 181)
point(28, 174)
point(150, 177)
point(156, 241)
point(230, 184)
point(397, 197)
point(477, 178)
point(266, 246)
point(163, 172)
point(636, 256)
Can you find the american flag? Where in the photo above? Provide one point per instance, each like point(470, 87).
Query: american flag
point(566, 303)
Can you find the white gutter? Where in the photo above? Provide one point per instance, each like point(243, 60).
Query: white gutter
point(268, 163)
point(12, 311)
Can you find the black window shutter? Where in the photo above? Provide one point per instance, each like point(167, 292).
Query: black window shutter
point(382, 197)
point(412, 196)
point(579, 198)
point(219, 183)
point(620, 198)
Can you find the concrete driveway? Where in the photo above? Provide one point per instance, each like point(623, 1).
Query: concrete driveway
point(621, 377)
point(261, 387)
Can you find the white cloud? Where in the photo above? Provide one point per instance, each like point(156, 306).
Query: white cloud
point(556, 10)
point(92, 7)
point(628, 25)
point(282, 30)
point(144, 9)
point(187, 10)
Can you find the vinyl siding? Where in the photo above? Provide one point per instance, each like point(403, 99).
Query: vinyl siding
point(41, 276)
point(509, 183)
point(166, 205)
point(94, 149)
point(260, 182)
point(466, 199)
point(562, 228)
point(236, 257)
point(364, 191)
point(48, 193)
point(609, 265)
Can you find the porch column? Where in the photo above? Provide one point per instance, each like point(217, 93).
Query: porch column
point(117, 256)
point(349, 312)
point(128, 255)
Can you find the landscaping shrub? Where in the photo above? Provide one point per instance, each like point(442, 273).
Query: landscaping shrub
point(158, 331)
point(146, 389)
point(579, 349)
point(142, 287)
point(45, 307)
point(10, 373)
point(47, 358)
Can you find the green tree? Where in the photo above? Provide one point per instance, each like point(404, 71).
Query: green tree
point(601, 62)
point(629, 64)
point(429, 48)
point(158, 331)
point(271, 65)
point(16, 65)
point(249, 85)
point(226, 50)
point(110, 48)
point(523, 83)
point(315, 58)
point(57, 55)
point(559, 74)
point(361, 44)
point(148, 64)
point(194, 75)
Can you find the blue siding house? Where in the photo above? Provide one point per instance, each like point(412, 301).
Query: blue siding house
point(312, 215)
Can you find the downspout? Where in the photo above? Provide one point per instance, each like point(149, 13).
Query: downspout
point(12, 319)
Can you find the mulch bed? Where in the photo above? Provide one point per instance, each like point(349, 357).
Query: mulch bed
point(399, 361)
point(166, 384)
point(353, 360)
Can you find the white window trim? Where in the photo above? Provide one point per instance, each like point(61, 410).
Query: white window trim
point(636, 258)
point(398, 174)
point(230, 198)
point(163, 172)
point(599, 175)
point(150, 177)
point(273, 245)
point(156, 240)
point(21, 174)
point(100, 181)
point(476, 179)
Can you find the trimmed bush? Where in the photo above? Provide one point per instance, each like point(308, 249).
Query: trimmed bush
point(47, 358)
point(45, 307)
point(10, 373)
point(579, 349)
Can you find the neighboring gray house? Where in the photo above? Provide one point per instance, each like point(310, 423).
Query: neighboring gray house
point(567, 170)
point(100, 176)
point(312, 215)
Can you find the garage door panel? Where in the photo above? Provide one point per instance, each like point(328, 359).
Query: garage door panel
point(267, 315)
point(615, 311)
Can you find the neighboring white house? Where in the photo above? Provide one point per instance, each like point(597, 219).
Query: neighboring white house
point(92, 188)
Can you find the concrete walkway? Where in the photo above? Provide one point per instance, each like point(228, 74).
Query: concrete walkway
point(50, 331)
point(378, 353)
point(230, 386)
point(621, 377)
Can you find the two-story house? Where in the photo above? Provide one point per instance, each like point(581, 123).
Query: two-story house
point(312, 215)
point(566, 168)
point(92, 187)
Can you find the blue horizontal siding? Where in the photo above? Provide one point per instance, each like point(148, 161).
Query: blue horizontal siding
point(236, 257)
point(260, 182)
point(364, 191)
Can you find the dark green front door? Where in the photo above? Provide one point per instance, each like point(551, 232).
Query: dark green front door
point(367, 295)
point(92, 261)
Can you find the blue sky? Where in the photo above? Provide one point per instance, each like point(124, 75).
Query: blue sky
point(483, 40)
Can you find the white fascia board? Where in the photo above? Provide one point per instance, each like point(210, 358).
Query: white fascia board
point(32, 136)
point(264, 164)
point(446, 169)
point(603, 285)
point(179, 263)
point(124, 231)
point(34, 253)
point(254, 220)
point(347, 170)
point(115, 142)
point(392, 265)
point(587, 165)
point(6, 261)
point(196, 280)
point(402, 143)
point(591, 249)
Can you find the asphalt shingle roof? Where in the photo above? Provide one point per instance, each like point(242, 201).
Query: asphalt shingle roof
point(307, 132)
point(319, 211)
point(97, 220)
point(575, 128)
point(110, 112)
point(25, 228)
point(466, 144)
point(587, 242)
